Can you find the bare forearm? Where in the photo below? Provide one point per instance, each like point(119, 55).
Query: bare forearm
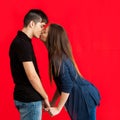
point(56, 110)
point(37, 85)
point(34, 78)
point(55, 97)
point(63, 99)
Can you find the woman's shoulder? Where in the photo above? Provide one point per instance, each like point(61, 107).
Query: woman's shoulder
point(67, 63)
point(66, 60)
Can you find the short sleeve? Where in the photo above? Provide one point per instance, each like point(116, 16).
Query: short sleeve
point(23, 51)
point(66, 81)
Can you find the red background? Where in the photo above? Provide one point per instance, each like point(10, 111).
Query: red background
point(93, 28)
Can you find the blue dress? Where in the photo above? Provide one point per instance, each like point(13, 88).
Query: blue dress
point(83, 97)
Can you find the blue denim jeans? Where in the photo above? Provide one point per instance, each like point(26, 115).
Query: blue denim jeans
point(30, 110)
point(93, 114)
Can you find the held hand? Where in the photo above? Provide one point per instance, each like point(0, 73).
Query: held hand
point(46, 105)
point(52, 104)
point(47, 102)
point(54, 111)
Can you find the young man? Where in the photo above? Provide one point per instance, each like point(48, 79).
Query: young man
point(28, 91)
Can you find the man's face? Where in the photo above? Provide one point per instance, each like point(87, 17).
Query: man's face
point(38, 27)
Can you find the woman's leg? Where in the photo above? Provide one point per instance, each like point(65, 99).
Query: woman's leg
point(93, 114)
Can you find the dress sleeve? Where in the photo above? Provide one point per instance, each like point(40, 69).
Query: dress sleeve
point(65, 78)
point(23, 51)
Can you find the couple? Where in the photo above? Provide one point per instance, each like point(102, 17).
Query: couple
point(78, 95)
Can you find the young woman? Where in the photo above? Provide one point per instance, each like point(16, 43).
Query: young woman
point(78, 95)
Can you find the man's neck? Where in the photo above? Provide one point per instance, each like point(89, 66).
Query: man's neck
point(28, 32)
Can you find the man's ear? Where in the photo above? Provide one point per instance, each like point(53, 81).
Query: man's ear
point(31, 24)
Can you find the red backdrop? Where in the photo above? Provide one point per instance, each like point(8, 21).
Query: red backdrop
point(93, 28)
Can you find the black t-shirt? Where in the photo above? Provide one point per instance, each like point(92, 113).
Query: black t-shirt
point(21, 50)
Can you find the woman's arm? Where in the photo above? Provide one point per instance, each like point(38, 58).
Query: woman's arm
point(55, 97)
point(56, 110)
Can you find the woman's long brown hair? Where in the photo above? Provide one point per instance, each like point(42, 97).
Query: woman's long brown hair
point(58, 45)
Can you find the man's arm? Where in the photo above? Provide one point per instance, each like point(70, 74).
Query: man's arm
point(35, 80)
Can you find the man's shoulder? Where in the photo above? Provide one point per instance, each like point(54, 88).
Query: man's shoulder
point(16, 38)
point(15, 42)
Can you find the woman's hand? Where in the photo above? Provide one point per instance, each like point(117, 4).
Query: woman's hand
point(54, 111)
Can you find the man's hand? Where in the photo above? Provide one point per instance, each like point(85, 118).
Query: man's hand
point(46, 104)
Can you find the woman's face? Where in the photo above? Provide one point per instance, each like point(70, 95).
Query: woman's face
point(44, 34)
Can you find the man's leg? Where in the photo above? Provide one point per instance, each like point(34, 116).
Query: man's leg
point(30, 110)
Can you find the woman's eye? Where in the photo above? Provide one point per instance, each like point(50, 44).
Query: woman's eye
point(44, 31)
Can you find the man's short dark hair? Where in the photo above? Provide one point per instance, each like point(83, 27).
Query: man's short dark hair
point(36, 15)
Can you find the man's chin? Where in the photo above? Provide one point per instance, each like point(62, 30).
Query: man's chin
point(39, 37)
